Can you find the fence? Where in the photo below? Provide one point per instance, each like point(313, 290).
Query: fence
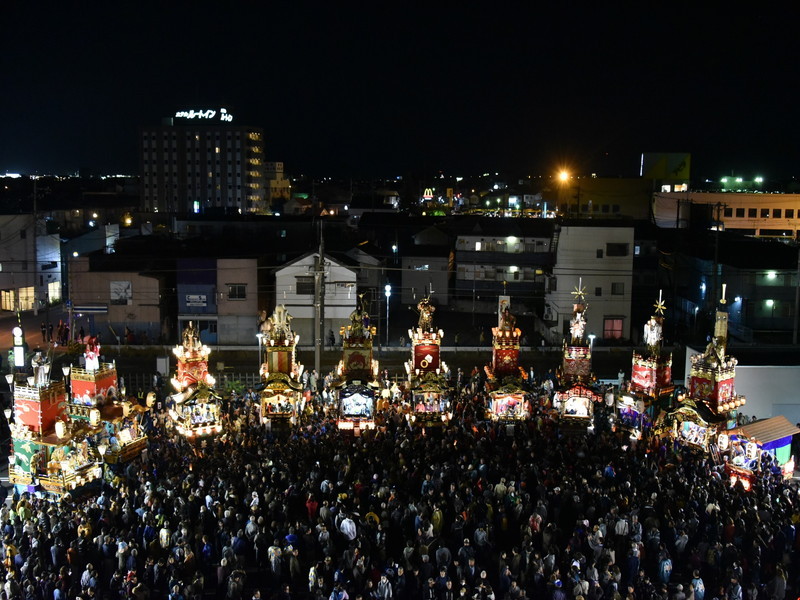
point(135, 381)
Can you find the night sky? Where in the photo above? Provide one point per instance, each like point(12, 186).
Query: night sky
point(388, 91)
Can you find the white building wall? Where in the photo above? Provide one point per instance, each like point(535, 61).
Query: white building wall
point(340, 295)
point(582, 259)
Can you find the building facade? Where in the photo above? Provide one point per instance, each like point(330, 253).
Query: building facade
point(220, 296)
point(597, 258)
point(30, 264)
point(119, 302)
point(279, 188)
point(194, 164)
point(295, 286)
point(753, 214)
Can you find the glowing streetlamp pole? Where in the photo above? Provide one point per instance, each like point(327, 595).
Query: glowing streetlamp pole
point(259, 336)
point(387, 290)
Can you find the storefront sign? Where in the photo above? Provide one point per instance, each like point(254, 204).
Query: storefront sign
point(196, 300)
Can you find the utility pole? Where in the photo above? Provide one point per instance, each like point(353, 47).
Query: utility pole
point(714, 294)
point(35, 257)
point(319, 304)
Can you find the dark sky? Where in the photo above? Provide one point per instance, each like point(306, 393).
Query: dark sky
point(379, 90)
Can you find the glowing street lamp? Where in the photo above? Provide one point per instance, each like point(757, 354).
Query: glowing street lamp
point(260, 337)
point(387, 290)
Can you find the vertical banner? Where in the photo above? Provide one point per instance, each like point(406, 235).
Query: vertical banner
point(503, 302)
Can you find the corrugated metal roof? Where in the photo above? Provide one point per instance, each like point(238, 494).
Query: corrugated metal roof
point(768, 430)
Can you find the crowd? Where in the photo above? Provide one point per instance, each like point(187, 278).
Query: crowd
point(474, 510)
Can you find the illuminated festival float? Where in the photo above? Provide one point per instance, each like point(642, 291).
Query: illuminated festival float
point(576, 398)
point(357, 373)
point(710, 404)
point(280, 371)
point(426, 372)
point(508, 399)
point(118, 428)
point(760, 448)
point(195, 410)
point(51, 454)
point(651, 384)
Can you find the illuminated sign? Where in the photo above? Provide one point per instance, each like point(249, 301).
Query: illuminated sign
point(19, 346)
point(206, 115)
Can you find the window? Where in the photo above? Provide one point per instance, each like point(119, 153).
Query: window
point(637, 250)
point(752, 213)
point(776, 213)
point(553, 284)
point(598, 291)
point(617, 289)
point(612, 328)
point(599, 253)
point(237, 291)
point(305, 285)
point(23, 234)
point(728, 212)
point(765, 213)
point(740, 213)
point(616, 249)
point(789, 213)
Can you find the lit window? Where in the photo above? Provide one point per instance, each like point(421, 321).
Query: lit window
point(612, 328)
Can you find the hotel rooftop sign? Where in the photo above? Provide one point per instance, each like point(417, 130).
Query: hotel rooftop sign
point(205, 115)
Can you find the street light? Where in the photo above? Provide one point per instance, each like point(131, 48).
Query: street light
point(260, 337)
point(102, 449)
point(387, 290)
point(65, 369)
point(591, 341)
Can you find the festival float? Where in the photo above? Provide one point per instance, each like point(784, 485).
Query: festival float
point(118, 428)
point(356, 379)
point(426, 372)
point(280, 372)
point(195, 406)
point(576, 396)
point(50, 454)
point(651, 378)
point(710, 405)
point(508, 400)
point(760, 448)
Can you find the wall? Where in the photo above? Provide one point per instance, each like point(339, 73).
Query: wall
point(237, 318)
point(140, 313)
point(577, 262)
point(340, 295)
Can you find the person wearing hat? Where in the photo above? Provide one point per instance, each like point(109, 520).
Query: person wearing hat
point(465, 552)
point(383, 590)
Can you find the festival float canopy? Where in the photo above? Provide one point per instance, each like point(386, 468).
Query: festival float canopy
point(196, 406)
